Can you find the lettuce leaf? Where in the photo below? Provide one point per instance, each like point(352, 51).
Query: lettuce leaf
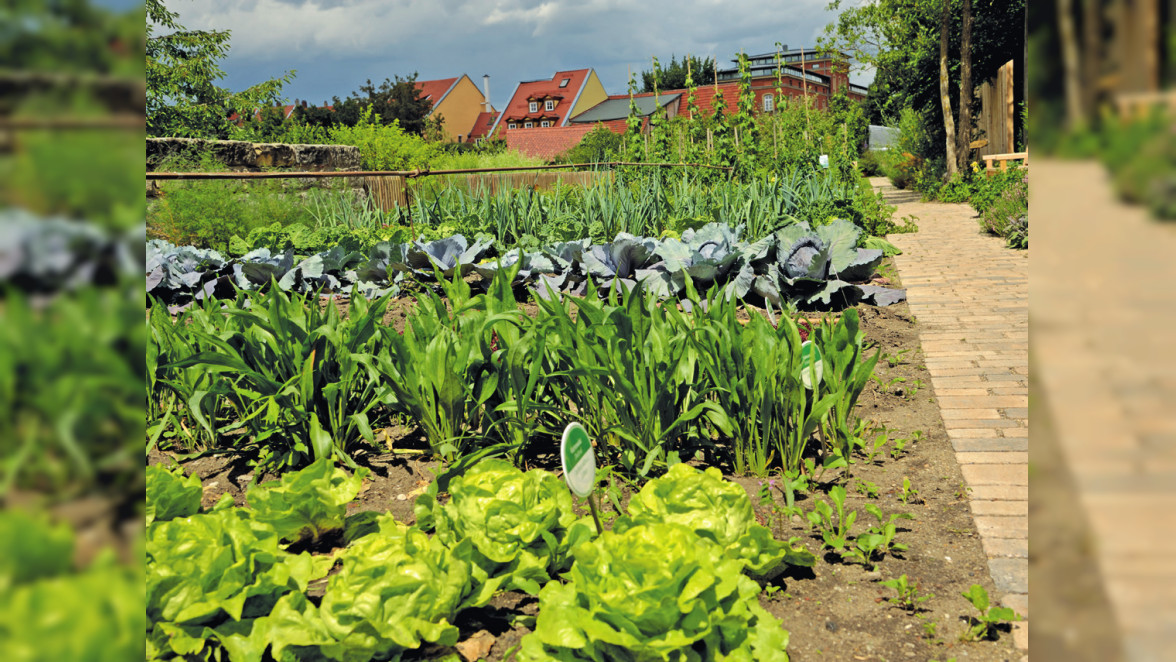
point(715, 509)
point(520, 526)
point(31, 548)
point(170, 494)
point(653, 592)
point(306, 503)
point(210, 575)
point(397, 590)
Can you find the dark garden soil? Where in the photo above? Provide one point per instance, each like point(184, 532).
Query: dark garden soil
point(835, 611)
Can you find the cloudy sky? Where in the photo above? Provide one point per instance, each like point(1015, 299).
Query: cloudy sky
point(336, 45)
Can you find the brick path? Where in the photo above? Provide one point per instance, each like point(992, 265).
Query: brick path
point(970, 296)
point(1105, 351)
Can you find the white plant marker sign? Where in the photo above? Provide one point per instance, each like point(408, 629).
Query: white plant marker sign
point(810, 358)
point(579, 461)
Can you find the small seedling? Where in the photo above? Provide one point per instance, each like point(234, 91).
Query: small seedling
point(896, 358)
point(929, 627)
point(821, 518)
point(877, 447)
point(909, 494)
point(878, 540)
point(962, 493)
point(867, 488)
point(908, 595)
point(985, 627)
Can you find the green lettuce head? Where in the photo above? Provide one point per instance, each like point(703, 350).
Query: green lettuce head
point(655, 592)
point(520, 525)
point(715, 509)
point(397, 590)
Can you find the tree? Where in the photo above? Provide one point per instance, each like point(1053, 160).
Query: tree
point(182, 67)
point(964, 139)
point(944, 91)
point(398, 100)
point(597, 146)
point(901, 40)
point(673, 76)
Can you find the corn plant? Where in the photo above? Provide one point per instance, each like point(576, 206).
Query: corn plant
point(299, 379)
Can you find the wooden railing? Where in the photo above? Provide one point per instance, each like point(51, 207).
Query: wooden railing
point(995, 162)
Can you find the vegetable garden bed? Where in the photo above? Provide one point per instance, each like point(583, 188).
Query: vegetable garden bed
point(836, 609)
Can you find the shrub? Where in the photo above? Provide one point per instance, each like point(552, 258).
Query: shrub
point(1008, 216)
point(209, 214)
point(870, 163)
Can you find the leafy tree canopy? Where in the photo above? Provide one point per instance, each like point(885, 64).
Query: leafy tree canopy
point(398, 101)
point(183, 66)
point(673, 75)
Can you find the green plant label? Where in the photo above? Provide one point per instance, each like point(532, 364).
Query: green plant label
point(810, 357)
point(579, 462)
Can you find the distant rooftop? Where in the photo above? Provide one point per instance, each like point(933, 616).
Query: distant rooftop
point(617, 109)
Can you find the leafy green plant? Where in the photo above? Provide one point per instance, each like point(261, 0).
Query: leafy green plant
point(211, 576)
point(397, 590)
point(908, 596)
point(985, 625)
point(521, 525)
point(866, 488)
point(715, 509)
point(170, 494)
point(878, 540)
point(302, 379)
point(651, 593)
point(909, 494)
point(835, 536)
point(306, 503)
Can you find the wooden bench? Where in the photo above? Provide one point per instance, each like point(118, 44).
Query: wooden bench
point(990, 161)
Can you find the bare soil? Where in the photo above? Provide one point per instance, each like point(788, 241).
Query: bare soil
point(835, 611)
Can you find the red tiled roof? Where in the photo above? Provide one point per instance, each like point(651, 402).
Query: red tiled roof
point(540, 89)
point(547, 143)
point(482, 125)
point(433, 90)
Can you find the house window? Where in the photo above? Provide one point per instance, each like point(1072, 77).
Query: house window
point(564, 82)
point(529, 125)
point(512, 125)
point(545, 124)
point(534, 106)
point(549, 105)
point(769, 103)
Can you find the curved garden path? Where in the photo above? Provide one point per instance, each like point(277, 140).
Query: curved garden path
point(970, 296)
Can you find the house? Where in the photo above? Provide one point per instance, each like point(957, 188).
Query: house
point(613, 112)
point(804, 71)
point(459, 102)
point(550, 103)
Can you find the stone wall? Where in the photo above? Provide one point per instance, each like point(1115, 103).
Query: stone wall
point(247, 156)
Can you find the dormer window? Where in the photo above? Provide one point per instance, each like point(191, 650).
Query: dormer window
point(528, 125)
point(549, 105)
point(512, 125)
point(545, 124)
point(533, 107)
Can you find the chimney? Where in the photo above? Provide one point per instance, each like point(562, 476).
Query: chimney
point(486, 90)
point(304, 103)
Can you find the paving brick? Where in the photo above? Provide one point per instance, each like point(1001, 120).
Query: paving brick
point(1010, 575)
point(993, 423)
point(995, 474)
point(989, 444)
point(1003, 526)
point(970, 414)
point(1018, 602)
point(983, 401)
point(1005, 547)
point(988, 457)
point(959, 433)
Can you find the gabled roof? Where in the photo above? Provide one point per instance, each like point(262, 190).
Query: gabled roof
point(617, 107)
point(538, 90)
point(482, 125)
point(546, 144)
point(435, 90)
